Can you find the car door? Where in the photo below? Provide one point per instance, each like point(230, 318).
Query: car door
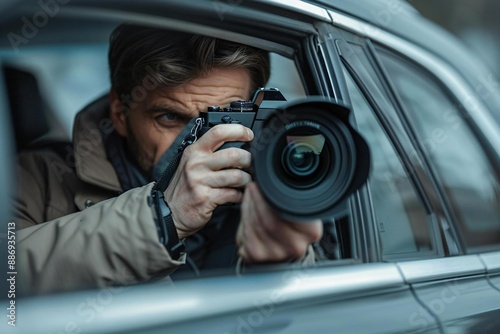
point(463, 165)
point(455, 290)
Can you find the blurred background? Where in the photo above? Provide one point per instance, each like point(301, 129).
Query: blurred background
point(475, 22)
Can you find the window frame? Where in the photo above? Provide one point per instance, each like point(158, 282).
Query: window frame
point(464, 113)
point(336, 37)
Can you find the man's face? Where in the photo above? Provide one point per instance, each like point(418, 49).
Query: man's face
point(154, 123)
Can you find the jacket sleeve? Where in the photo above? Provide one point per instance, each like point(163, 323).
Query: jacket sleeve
point(114, 242)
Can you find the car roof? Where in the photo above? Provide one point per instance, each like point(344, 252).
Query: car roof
point(399, 18)
point(396, 17)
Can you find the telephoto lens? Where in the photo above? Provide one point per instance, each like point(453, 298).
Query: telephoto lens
point(308, 159)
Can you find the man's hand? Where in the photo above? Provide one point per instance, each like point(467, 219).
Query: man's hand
point(206, 178)
point(264, 237)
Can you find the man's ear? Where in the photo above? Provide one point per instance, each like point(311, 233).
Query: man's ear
point(118, 113)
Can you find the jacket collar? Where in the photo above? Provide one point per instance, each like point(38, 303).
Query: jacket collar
point(91, 162)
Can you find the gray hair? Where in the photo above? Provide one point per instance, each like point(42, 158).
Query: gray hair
point(171, 59)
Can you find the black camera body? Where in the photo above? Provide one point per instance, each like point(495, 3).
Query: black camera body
point(251, 113)
point(306, 157)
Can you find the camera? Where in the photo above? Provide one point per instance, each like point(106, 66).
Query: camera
point(306, 157)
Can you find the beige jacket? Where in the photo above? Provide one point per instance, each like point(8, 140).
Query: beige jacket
point(76, 229)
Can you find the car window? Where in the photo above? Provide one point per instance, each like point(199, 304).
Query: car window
point(466, 175)
point(400, 214)
point(285, 77)
point(71, 76)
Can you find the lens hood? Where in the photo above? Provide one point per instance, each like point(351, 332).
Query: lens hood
point(308, 159)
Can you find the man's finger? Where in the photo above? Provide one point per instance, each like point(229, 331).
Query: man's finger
point(219, 134)
point(223, 196)
point(228, 178)
point(229, 158)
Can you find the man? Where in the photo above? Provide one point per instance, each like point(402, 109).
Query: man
point(128, 230)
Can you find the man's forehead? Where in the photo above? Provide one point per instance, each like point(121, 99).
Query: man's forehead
point(219, 88)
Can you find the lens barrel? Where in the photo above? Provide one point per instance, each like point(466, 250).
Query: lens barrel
point(308, 159)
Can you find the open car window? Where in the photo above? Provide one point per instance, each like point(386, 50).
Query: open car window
point(71, 75)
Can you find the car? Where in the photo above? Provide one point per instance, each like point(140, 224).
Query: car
point(417, 249)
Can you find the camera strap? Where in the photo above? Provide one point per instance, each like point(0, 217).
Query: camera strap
point(165, 224)
point(191, 138)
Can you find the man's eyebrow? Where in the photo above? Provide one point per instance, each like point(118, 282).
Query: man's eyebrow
point(155, 108)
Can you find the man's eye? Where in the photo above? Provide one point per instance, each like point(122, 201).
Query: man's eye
point(169, 117)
